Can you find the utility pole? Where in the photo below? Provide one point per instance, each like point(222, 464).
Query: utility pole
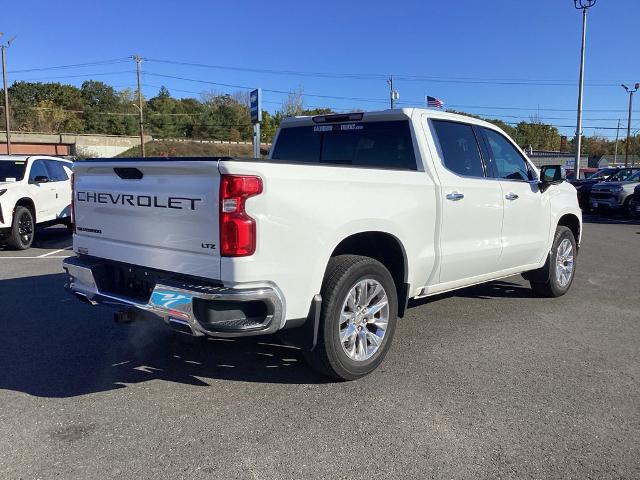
point(7, 117)
point(615, 153)
point(393, 94)
point(138, 60)
point(583, 5)
point(628, 145)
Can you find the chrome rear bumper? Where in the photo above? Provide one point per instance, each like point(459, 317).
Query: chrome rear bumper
point(173, 300)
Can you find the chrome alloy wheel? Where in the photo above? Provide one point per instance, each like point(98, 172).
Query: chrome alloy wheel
point(364, 318)
point(564, 263)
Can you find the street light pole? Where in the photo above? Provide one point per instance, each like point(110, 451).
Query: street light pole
point(631, 91)
point(583, 5)
point(615, 153)
point(7, 117)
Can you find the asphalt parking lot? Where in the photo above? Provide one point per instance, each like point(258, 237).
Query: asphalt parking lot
point(488, 382)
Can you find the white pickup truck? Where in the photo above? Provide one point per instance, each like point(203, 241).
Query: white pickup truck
point(326, 240)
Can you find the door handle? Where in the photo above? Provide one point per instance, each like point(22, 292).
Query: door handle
point(455, 196)
point(511, 196)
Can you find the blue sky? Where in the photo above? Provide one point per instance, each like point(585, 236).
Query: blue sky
point(484, 54)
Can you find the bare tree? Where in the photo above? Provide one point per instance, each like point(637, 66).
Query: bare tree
point(294, 104)
point(242, 97)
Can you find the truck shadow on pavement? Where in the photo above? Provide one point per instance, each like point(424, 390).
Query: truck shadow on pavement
point(485, 291)
point(56, 346)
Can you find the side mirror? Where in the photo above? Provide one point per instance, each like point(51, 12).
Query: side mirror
point(551, 175)
point(41, 179)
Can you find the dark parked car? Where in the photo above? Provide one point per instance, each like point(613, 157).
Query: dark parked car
point(615, 195)
point(610, 174)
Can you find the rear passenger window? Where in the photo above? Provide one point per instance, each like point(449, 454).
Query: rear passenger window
point(38, 170)
point(507, 161)
point(459, 148)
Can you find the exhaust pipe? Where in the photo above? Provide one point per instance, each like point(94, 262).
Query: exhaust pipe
point(181, 326)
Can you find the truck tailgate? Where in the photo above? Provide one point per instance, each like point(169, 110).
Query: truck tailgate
point(159, 213)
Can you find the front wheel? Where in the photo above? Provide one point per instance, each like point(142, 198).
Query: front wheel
point(560, 267)
point(22, 229)
point(357, 320)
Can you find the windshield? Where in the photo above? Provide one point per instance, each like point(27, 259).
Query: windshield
point(600, 174)
point(623, 175)
point(371, 144)
point(12, 170)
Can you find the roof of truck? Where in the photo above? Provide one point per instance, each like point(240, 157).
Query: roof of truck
point(381, 115)
point(24, 158)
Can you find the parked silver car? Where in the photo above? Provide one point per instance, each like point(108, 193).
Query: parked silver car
point(614, 196)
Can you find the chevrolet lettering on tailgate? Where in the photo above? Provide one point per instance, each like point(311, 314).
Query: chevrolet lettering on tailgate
point(179, 203)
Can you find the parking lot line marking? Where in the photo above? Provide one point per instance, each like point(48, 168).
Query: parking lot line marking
point(51, 253)
point(35, 258)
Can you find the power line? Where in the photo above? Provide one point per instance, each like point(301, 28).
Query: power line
point(245, 87)
point(331, 97)
point(355, 76)
point(75, 76)
point(374, 100)
point(500, 115)
point(532, 109)
point(74, 65)
point(380, 76)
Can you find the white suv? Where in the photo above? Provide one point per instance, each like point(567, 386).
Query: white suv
point(34, 190)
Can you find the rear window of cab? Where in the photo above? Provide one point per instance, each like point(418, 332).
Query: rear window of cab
point(386, 145)
point(12, 170)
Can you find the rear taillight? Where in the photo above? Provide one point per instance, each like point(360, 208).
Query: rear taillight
point(73, 208)
point(237, 229)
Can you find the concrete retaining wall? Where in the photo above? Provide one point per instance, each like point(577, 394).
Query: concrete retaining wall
point(69, 144)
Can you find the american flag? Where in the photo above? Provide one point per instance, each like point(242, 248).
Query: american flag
point(433, 102)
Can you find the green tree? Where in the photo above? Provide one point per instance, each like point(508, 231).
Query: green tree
point(223, 118)
point(30, 101)
point(538, 135)
point(101, 108)
point(166, 116)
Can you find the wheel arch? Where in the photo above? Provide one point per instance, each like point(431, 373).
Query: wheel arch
point(26, 202)
point(385, 248)
point(572, 222)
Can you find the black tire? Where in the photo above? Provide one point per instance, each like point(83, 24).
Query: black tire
point(546, 282)
point(329, 357)
point(22, 229)
point(69, 225)
point(627, 209)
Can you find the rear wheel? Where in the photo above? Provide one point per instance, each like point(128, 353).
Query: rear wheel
point(358, 317)
point(628, 208)
point(22, 229)
point(555, 278)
